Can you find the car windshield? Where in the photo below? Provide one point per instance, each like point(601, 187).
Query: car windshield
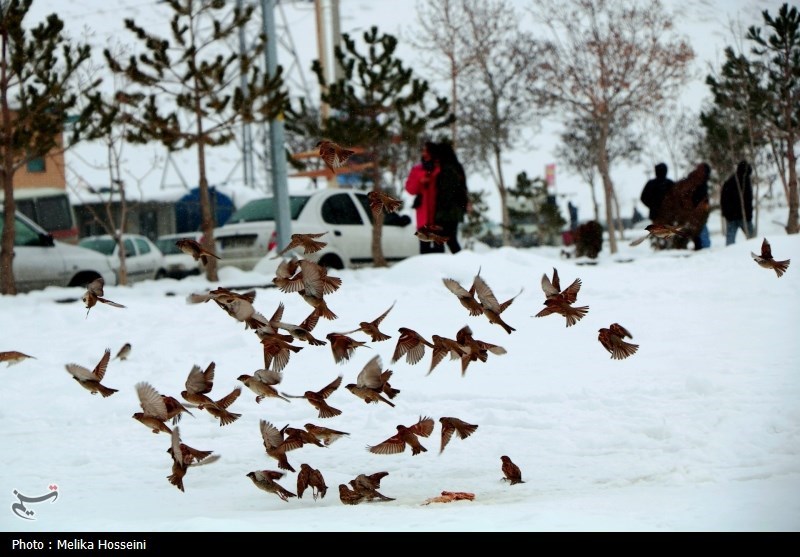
point(103, 245)
point(264, 209)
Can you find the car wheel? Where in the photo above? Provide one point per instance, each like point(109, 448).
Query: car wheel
point(161, 274)
point(83, 278)
point(330, 261)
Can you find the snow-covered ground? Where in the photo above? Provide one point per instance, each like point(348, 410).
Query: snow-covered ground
point(697, 431)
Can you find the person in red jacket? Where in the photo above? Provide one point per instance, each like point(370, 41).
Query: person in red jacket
point(421, 182)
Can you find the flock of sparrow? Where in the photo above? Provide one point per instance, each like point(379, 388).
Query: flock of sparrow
point(277, 338)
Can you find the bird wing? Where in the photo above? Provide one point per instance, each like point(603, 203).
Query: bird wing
point(268, 376)
point(447, 433)
point(332, 386)
point(549, 288)
point(463, 429)
point(151, 402)
point(270, 434)
point(638, 241)
point(227, 400)
point(454, 287)
point(621, 349)
point(393, 445)
point(766, 249)
point(382, 316)
point(80, 373)
point(423, 428)
point(570, 294)
point(485, 295)
point(197, 382)
point(100, 368)
point(619, 330)
point(96, 286)
point(370, 376)
point(109, 302)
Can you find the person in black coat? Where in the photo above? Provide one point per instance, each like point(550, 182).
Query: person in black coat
point(451, 195)
point(655, 190)
point(736, 203)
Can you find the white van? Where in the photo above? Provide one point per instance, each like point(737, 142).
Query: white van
point(50, 208)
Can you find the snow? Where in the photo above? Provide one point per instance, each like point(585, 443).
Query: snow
point(697, 431)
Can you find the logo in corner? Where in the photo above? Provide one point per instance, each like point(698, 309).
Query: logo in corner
point(22, 511)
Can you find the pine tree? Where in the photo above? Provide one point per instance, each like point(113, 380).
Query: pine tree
point(779, 55)
point(185, 88)
point(39, 93)
point(378, 104)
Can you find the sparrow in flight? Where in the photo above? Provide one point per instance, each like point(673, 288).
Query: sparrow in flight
point(612, 340)
point(94, 293)
point(431, 233)
point(325, 434)
point(317, 399)
point(454, 425)
point(379, 201)
point(12, 357)
point(195, 249)
point(154, 410)
point(766, 260)
point(343, 346)
point(90, 380)
point(183, 456)
point(405, 436)
point(465, 297)
point(371, 382)
point(443, 346)
point(308, 242)
point(265, 480)
point(261, 383)
point(474, 349)
point(275, 444)
point(332, 155)
point(124, 352)
point(371, 327)
point(411, 345)
point(560, 302)
point(663, 231)
point(491, 307)
point(511, 471)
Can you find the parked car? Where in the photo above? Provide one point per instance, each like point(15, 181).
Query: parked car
point(178, 263)
point(41, 261)
point(143, 260)
point(249, 235)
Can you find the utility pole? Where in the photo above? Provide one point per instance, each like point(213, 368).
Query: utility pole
point(247, 134)
point(280, 186)
point(328, 36)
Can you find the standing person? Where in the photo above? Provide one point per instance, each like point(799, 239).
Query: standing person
point(421, 183)
point(736, 202)
point(701, 205)
point(654, 192)
point(451, 195)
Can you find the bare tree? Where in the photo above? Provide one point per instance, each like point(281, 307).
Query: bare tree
point(495, 109)
point(608, 63)
point(440, 37)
